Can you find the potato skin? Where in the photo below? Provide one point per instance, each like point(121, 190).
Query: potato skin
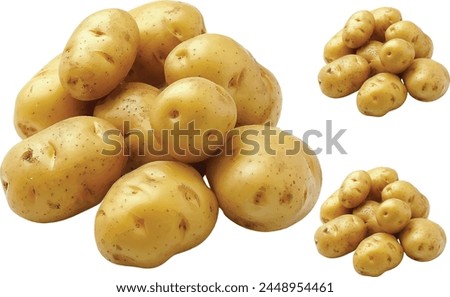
point(396, 55)
point(358, 29)
point(354, 189)
point(370, 51)
point(380, 177)
point(384, 17)
point(99, 54)
point(343, 76)
point(407, 192)
point(332, 208)
point(276, 96)
point(154, 212)
point(336, 48)
point(367, 212)
point(340, 235)
point(423, 239)
point(393, 215)
point(409, 31)
point(63, 169)
point(376, 254)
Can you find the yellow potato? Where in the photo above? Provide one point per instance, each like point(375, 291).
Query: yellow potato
point(354, 189)
point(64, 169)
point(426, 79)
point(340, 235)
point(367, 212)
point(376, 254)
point(393, 215)
point(99, 54)
point(380, 177)
point(380, 94)
point(162, 26)
point(332, 208)
point(409, 31)
point(384, 17)
point(423, 239)
point(370, 51)
point(405, 191)
point(274, 88)
point(358, 29)
point(154, 212)
point(336, 48)
point(396, 55)
point(265, 179)
point(343, 76)
point(43, 101)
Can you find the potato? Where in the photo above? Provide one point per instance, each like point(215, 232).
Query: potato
point(227, 63)
point(426, 79)
point(265, 179)
point(358, 29)
point(191, 118)
point(405, 191)
point(274, 88)
point(354, 189)
point(380, 94)
point(396, 55)
point(332, 208)
point(343, 76)
point(393, 215)
point(99, 54)
point(63, 170)
point(128, 109)
point(154, 212)
point(384, 17)
point(409, 31)
point(370, 51)
point(162, 26)
point(367, 212)
point(376, 254)
point(423, 239)
point(336, 48)
point(340, 235)
point(43, 101)
point(380, 177)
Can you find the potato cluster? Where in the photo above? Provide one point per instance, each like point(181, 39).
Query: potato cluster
point(379, 217)
point(383, 58)
point(162, 124)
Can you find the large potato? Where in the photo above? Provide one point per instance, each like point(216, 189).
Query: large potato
point(162, 26)
point(343, 76)
point(43, 101)
point(154, 212)
point(63, 169)
point(358, 29)
point(265, 179)
point(99, 54)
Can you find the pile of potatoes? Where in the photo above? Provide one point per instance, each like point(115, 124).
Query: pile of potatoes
point(162, 124)
point(379, 217)
point(384, 58)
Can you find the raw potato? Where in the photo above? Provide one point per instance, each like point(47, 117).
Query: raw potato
point(370, 51)
point(191, 118)
point(423, 239)
point(63, 169)
point(393, 215)
point(380, 94)
point(354, 189)
point(274, 88)
point(409, 31)
point(426, 79)
point(99, 54)
point(160, 209)
point(384, 17)
point(367, 212)
point(336, 48)
point(396, 55)
point(43, 102)
point(332, 208)
point(265, 179)
point(377, 254)
point(162, 26)
point(340, 236)
point(405, 191)
point(380, 177)
point(358, 29)
point(343, 76)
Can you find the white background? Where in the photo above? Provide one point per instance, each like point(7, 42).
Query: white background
point(61, 259)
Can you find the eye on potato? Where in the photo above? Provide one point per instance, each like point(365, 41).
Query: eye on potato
point(358, 29)
point(354, 189)
point(384, 17)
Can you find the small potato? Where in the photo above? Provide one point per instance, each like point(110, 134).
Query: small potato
point(396, 55)
point(343, 76)
point(354, 189)
point(340, 235)
point(367, 212)
point(358, 29)
point(332, 208)
point(376, 254)
point(99, 54)
point(159, 210)
point(426, 79)
point(336, 48)
point(64, 169)
point(393, 215)
point(409, 31)
point(384, 17)
point(423, 239)
point(380, 94)
point(405, 191)
point(380, 177)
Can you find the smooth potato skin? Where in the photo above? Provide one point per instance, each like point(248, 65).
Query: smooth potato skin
point(62, 170)
point(396, 55)
point(336, 48)
point(380, 177)
point(409, 31)
point(354, 189)
point(99, 54)
point(154, 212)
point(393, 215)
point(276, 96)
point(407, 192)
point(358, 29)
point(384, 17)
point(332, 208)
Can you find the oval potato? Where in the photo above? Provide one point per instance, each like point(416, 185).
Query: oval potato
point(354, 189)
point(358, 29)
point(396, 55)
point(336, 48)
point(384, 17)
point(332, 208)
point(393, 215)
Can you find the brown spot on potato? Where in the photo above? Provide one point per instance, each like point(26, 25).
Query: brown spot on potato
point(27, 130)
point(28, 156)
point(286, 198)
point(5, 185)
point(53, 205)
point(183, 225)
point(259, 195)
point(97, 32)
point(174, 114)
point(189, 194)
point(108, 58)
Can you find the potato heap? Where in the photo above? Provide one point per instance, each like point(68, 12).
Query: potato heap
point(138, 107)
point(383, 58)
point(379, 218)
